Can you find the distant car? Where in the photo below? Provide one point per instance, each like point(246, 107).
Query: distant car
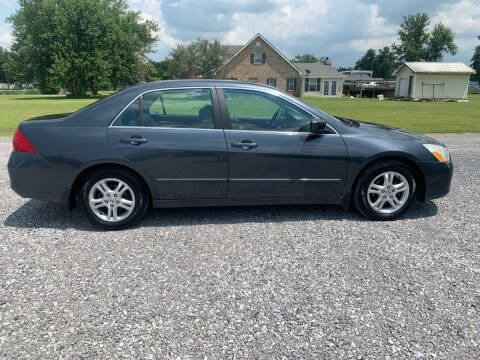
point(215, 143)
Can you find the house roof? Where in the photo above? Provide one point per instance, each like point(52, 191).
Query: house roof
point(249, 42)
point(232, 49)
point(437, 67)
point(318, 70)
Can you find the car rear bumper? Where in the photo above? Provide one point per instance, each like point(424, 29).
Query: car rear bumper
point(32, 177)
point(438, 177)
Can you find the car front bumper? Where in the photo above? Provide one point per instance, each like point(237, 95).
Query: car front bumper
point(438, 178)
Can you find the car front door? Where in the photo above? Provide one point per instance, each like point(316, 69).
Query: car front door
point(272, 153)
point(171, 135)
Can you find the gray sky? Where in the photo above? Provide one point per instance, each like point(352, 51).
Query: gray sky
point(340, 29)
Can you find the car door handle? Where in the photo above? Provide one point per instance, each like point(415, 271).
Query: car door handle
point(134, 140)
point(245, 145)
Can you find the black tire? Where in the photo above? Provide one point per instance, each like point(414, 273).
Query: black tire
point(137, 186)
point(360, 190)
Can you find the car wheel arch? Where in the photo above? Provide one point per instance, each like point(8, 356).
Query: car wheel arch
point(407, 160)
point(80, 177)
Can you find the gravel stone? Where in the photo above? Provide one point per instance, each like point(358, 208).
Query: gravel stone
point(285, 282)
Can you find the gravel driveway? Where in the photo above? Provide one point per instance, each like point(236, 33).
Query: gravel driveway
point(265, 282)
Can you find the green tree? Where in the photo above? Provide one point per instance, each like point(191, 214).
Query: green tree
point(32, 49)
point(417, 44)
point(147, 72)
point(307, 58)
point(162, 69)
point(211, 55)
point(3, 63)
point(344, 68)
point(442, 40)
point(133, 39)
point(367, 61)
point(182, 63)
point(79, 44)
point(476, 62)
point(384, 63)
point(200, 57)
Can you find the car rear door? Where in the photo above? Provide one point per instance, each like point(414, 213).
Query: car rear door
point(272, 153)
point(173, 135)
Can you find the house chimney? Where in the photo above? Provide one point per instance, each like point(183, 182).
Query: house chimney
point(327, 61)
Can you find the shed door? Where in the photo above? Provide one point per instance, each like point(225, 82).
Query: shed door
point(402, 87)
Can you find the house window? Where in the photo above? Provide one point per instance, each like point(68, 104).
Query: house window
point(312, 84)
point(257, 58)
point(291, 84)
point(334, 88)
point(253, 79)
point(326, 85)
point(272, 82)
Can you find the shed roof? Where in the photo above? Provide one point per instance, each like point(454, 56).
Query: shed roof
point(318, 70)
point(437, 67)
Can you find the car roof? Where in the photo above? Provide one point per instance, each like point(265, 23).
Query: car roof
point(165, 84)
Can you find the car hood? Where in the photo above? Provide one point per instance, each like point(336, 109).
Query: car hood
point(387, 132)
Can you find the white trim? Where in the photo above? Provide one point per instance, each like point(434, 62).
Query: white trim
point(268, 43)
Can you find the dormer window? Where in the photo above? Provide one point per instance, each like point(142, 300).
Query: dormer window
point(257, 58)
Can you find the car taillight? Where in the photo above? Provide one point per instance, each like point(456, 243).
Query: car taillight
point(21, 144)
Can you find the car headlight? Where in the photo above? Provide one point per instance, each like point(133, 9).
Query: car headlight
point(440, 152)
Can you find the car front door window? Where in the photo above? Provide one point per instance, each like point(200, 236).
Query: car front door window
point(253, 110)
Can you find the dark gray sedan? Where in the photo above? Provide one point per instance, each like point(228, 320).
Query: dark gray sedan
point(215, 143)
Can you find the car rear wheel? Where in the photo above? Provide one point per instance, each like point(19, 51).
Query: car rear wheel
point(114, 199)
point(384, 190)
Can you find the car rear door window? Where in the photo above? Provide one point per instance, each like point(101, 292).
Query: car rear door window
point(253, 110)
point(182, 108)
point(190, 108)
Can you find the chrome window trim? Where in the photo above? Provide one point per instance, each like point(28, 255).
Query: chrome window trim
point(280, 132)
point(150, 91)
point(163, 128)
point(272, 92)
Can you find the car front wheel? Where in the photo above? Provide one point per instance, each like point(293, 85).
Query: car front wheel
point(384, 190)
point(114, 199)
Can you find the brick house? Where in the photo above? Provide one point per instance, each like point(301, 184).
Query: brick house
point(259, 61)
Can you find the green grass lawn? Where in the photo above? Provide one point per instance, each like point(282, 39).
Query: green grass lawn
point(16, 108)
point(419, 117)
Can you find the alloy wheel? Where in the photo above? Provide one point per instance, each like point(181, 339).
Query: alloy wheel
point(388, 192)
point(111, 199)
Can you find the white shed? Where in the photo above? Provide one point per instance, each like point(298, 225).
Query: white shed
point(432, 80)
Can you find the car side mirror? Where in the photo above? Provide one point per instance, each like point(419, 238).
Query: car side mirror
point(317, 126)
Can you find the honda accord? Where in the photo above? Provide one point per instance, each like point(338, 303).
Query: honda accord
point(214, 143)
